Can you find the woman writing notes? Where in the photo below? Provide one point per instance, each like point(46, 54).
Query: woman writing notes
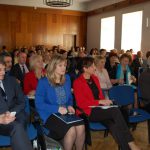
point(53, 95)
point(125, 75)
point(124, 71)
point(88, 94)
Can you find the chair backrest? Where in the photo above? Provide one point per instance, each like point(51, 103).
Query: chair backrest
point(27, 105)
point(122, 94)
point(141, 70)
point(144, 86)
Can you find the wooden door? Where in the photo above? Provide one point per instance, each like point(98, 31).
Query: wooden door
point(69, 40)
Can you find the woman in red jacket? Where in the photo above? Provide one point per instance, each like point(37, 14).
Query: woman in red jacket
point(88, 93)
point(36, 72)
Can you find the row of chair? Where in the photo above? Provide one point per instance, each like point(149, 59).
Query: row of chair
point(122, 94)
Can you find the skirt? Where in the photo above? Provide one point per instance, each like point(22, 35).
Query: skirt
point(57, 128)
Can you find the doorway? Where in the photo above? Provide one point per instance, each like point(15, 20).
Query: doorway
point(69, 41)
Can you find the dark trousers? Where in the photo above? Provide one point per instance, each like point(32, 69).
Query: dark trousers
point(147, 108)
point(17, 133)
point(113, 119)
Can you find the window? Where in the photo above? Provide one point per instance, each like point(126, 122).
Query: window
point(107, 33)
point(131, 31)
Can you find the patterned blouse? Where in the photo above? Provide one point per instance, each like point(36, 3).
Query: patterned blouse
point(61, 95)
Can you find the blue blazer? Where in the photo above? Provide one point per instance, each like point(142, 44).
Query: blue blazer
point(46, 99)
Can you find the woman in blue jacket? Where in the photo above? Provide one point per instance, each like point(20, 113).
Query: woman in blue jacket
point(53, 95)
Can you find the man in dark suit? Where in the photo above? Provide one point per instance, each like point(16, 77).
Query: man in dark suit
point(137, 63)
point(20, 68)
point(4, 50)
point(8, 63)
point(12, 100)
point(144, 85)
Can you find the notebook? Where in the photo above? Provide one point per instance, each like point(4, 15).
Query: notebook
point(68, 118)
point(104, 107)
point(31, 97)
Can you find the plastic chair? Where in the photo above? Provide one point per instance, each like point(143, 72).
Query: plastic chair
point(123, 96)
point(97, 126)
point(44, 141)
point(32, 132)
point(91, 126)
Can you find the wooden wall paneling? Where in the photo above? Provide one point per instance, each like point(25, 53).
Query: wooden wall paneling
point(25, 26)
point(60, 33)
point(64, 24)
point(13, 34)
point(44, 28)
point(36, 29)
point(74, 26)
point(52, 30)
point(68, 41)
point(82, 31)
point(4, 28)
point(23, 38)
point(48, 29)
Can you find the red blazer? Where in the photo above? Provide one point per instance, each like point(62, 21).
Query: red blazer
point(30, 82)
point(83, 94)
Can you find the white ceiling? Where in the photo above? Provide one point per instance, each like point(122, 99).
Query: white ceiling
point(79, 5)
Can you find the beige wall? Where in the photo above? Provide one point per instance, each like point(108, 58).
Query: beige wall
point(93, 26)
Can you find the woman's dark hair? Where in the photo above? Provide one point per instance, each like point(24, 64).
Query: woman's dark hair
point(92, 51)
point(3, 47)
point(2, 60)
point(112, 54)
point(125, 56)
point(148, 54)
point(87, 62)
point(102, 50)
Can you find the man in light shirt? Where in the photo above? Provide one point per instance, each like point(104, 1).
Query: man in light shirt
point(20, 68)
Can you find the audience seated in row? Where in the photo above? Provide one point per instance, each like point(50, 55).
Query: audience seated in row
point(92, 95)
point(54, 90)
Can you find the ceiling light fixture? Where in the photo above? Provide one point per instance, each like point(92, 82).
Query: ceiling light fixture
point(58, 3)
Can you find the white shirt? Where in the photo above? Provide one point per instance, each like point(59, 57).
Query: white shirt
point(25, 67)
point(141, 61)
point(1, 85)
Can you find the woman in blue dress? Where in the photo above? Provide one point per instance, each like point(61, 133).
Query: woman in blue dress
point(53, 95)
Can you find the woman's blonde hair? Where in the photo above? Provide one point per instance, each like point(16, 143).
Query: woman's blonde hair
point(55, 60)
point(32, 61)
point(98, 58)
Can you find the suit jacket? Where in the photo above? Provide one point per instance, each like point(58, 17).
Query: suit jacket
point(83, 94)
point(144, 86)
point(136, 64)
point(46, 98)
point(15, 98)
point(17, 72)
